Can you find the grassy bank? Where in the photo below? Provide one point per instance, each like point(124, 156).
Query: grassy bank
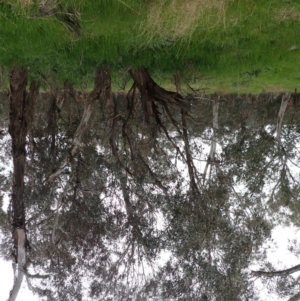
point(226, 45)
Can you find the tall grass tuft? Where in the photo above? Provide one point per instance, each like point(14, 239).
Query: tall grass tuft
point(178, 19)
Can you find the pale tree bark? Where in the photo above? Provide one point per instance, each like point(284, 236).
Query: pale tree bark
point(59, 203)
point(283, 106)
point(101, 82)
point(21, 238)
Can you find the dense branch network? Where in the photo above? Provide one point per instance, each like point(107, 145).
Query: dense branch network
point(116, 171)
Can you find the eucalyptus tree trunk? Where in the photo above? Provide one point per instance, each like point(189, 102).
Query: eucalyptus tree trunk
point(102, 86)
point(18, 131)
point(152, 94)
point(20, 118)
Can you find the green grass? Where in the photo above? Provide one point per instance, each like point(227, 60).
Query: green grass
point(236, 45)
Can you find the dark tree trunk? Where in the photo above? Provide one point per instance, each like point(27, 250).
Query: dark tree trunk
point(151, 93)
point(52, 125)
point(18, 132)
point(21, 116)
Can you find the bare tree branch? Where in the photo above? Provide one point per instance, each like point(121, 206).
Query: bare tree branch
point(100, 85)
point(189, 159)
point(286, 272)
point(37, 276)
point(284, 102)
point(63, 194)
point(295, 297)
point(213, 146)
